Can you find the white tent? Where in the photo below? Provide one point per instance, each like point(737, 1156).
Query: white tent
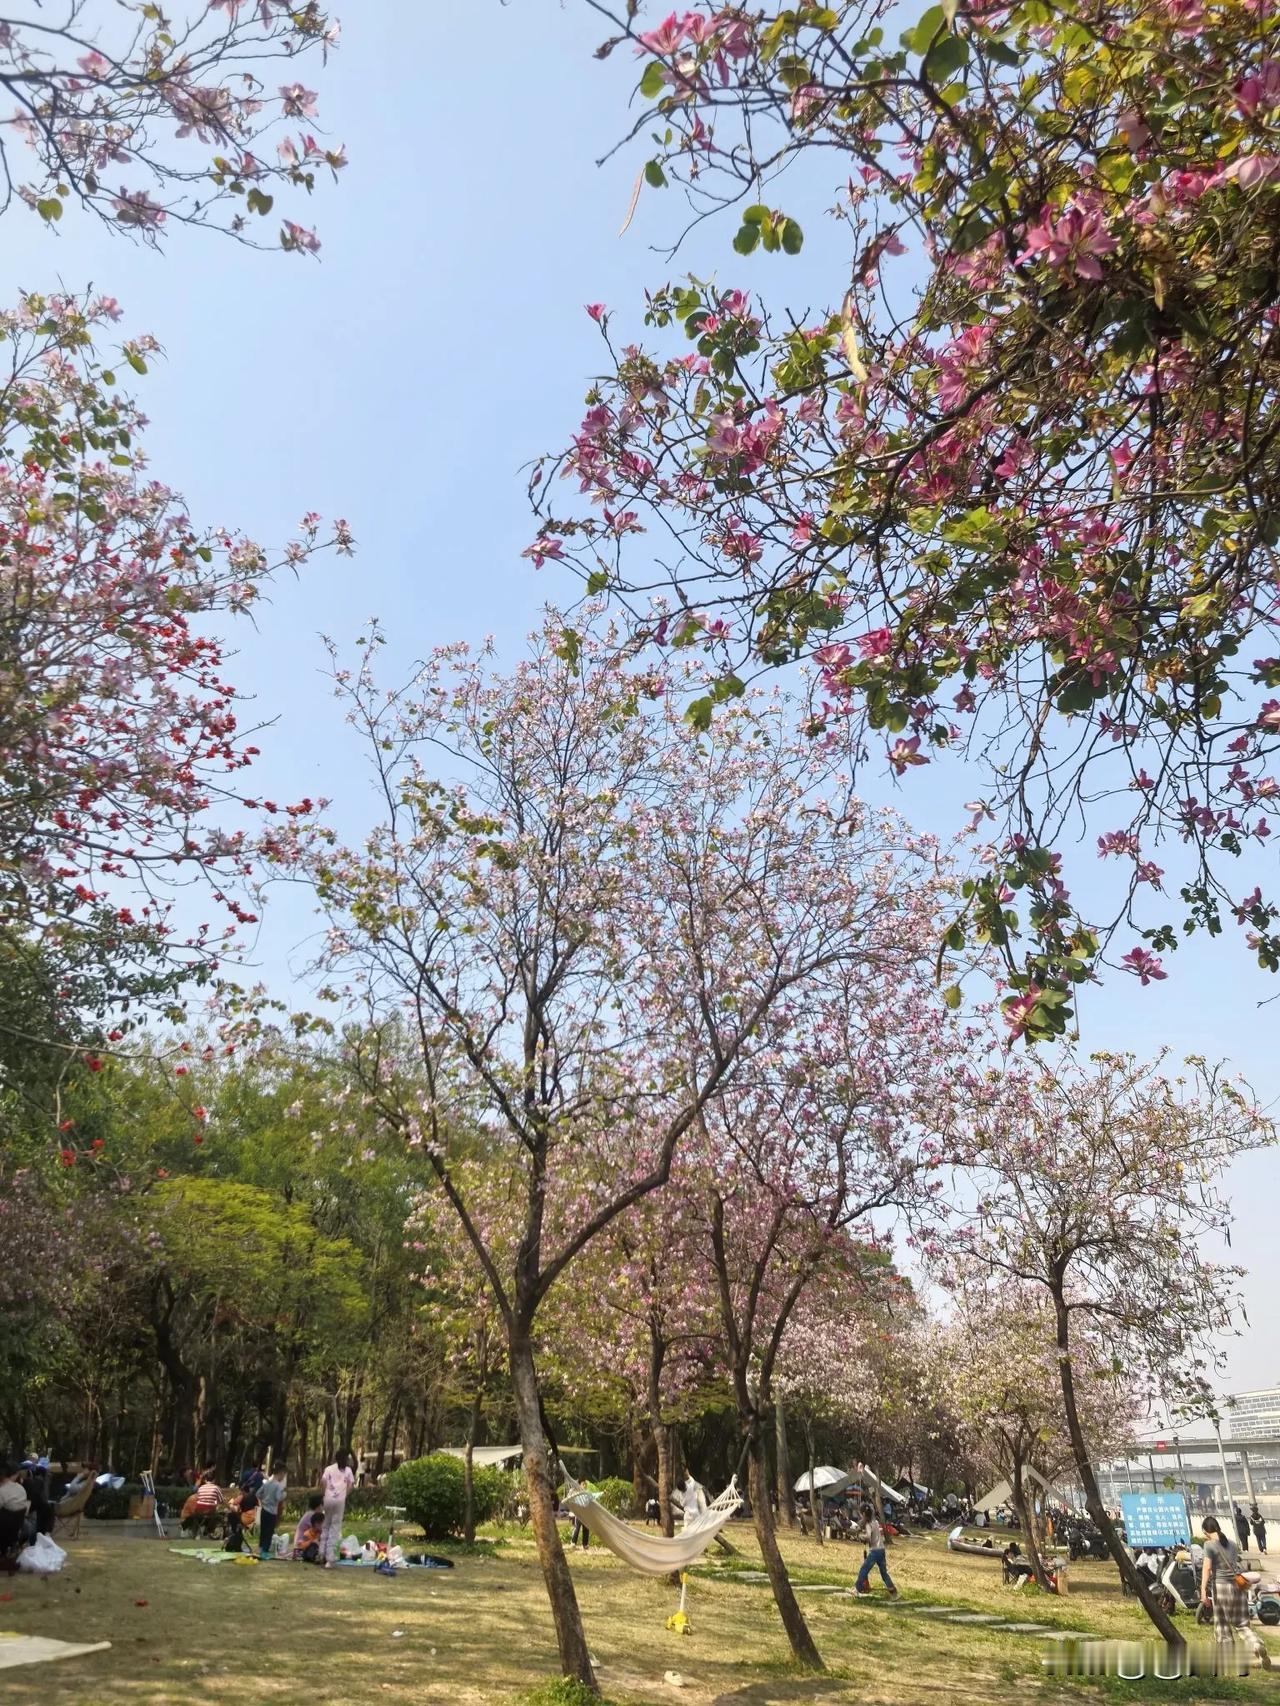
point(1002, 1493)
point(489, 1456)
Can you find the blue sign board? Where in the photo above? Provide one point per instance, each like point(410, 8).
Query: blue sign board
point(1155, 1519)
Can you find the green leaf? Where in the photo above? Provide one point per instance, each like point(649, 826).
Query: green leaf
point(699, 714)
point(654, 175)
point(50, 209)
point(792, 237)
point(947, 57)
point(259, 202)
point(922, 35)
point(756, 215)
point(135, 361)
point(747, 239)
point(1001, 52)
point(597, 581)
point(952, 997)
point(653, 82)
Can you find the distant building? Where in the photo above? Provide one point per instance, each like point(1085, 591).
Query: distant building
point(1254, 1415)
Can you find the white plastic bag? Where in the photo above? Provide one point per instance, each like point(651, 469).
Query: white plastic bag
point(350, 1547)
point(44, 1557)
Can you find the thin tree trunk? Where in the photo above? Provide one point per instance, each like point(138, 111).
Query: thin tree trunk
point(468, 1475)
point(815, 1510)
point(1133, 1578)
point(802, 1643)
point(663, 1445)
point(1026, 1517)
point(786, 1493)
point(393, 1410)
point(575, 1661)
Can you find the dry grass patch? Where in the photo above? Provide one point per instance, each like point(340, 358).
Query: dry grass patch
point(482, 1632)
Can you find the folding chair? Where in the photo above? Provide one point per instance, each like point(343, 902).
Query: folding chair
point(149, 1489)
point(69, 1509)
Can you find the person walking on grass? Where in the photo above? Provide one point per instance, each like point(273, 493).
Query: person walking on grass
point(873, 1534)
point(274, 1492)
point(1258, 1524)
point(1220, 1588)
point(336, 1482)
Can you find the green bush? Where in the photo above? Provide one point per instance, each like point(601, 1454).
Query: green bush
point(361, 1501)
point(617, 1496)
point(431, 1491)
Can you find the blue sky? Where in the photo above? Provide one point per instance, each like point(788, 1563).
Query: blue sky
point(439, 344)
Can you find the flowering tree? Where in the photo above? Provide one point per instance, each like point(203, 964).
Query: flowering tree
point(119, 742)
point(1098, 1187)
point(150, 119)
point(829, 1130)
point(1000, 1355)
point(641, 1308)
point(1013, 489)
point(586, 926)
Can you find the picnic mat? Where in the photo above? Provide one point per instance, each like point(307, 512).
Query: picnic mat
point(18, 1649)
point(215, 1555)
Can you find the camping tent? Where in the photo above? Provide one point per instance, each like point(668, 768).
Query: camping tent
point(1002, 1493)
point(489, 1456)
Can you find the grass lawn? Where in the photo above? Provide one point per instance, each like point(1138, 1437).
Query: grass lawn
point(482, 1632)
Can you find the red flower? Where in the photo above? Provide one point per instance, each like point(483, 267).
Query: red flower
point(98, 1143)
point(68, 1157)
point(66, 1125)
point(200, 1113)
point(162, 1172)
point(93, 1063)
point(198, 1138)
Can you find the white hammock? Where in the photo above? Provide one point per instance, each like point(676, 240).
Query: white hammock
point(651, 1554)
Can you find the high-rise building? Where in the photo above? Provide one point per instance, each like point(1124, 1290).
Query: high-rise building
point(1254, 1415)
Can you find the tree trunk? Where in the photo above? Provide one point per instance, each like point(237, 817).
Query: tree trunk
point(802, 1642)
point(575, 1661)
point(639, 1445)
point(815, 1509)
point(468, 1476)
point(786, 1493)
point(1026, 1517)
point(1133, 1578)
point(384, 1435)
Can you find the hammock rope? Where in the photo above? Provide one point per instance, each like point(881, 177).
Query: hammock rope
point(651, 1554)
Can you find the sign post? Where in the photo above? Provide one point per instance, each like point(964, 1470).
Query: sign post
point(1155, 1519)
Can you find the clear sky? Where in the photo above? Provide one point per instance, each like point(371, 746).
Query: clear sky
point(438, 344)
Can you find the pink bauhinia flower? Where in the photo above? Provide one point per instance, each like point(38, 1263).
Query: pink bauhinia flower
point(1146, 967)
point(1076, 240)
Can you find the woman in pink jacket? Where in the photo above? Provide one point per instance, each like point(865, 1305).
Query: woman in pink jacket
point(335, 1483)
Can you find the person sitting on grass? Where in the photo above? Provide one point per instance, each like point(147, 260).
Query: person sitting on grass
point(14, 1505)
point(306, 1537)
point(242, 1513)
point(873, 1534)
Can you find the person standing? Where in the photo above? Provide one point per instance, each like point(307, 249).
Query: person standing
point(1220, 1589)
point(695, 1500)
point(1258, 1524)
point(873, 1534)
point(335, 1483)
point(274, 1492)
point(1242, 1528)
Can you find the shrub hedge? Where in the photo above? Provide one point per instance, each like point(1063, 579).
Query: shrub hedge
point(431, 1491)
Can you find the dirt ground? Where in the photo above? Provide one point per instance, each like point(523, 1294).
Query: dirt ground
point(482, 1632)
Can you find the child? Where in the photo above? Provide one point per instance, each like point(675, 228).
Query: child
point(274, 1492)
point(306, 1537)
